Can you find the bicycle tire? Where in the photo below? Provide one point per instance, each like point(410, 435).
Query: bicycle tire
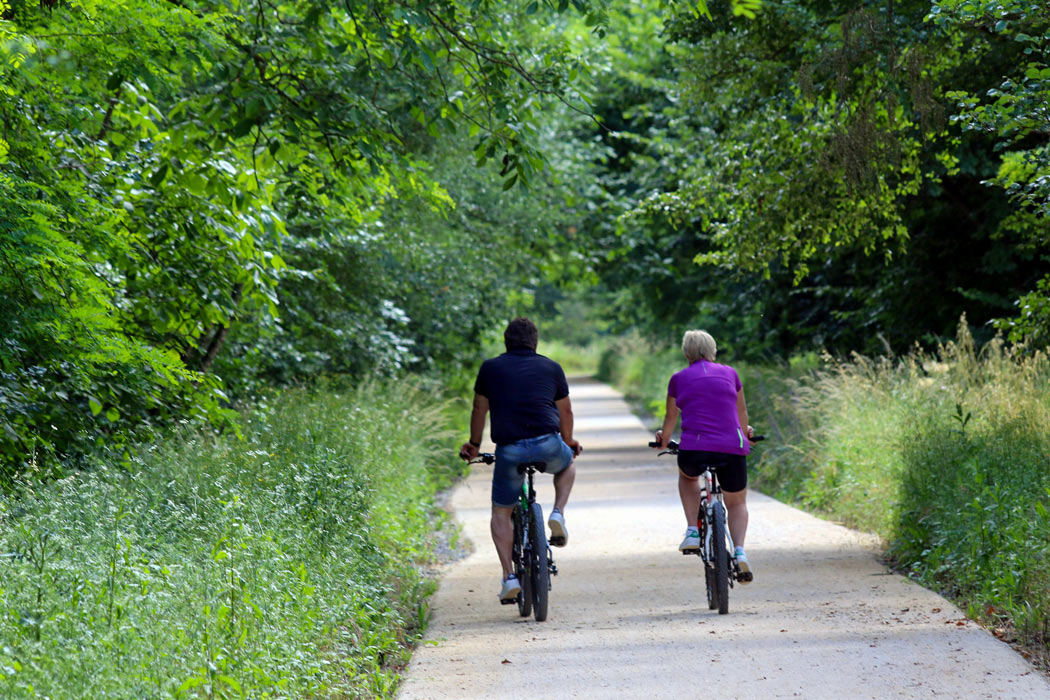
point(709, 578)
point(520, 555)
point(720, 556)
point(712, 592)
point(541, 575)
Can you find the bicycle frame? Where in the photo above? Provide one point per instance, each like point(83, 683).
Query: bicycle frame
point(710, 493)
point(721, 568)
point(528, 497)
point(532, 558)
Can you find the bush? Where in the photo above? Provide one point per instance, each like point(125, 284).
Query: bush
point(283, 565)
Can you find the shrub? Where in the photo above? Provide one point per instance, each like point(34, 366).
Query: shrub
point(284, 565)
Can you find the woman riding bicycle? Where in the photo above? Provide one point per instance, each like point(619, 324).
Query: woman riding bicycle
point(715, 433)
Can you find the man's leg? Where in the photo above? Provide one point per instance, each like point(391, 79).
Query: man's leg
point(563, 482)
point(503, 536)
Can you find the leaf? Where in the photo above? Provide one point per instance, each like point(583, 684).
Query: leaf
point(95, 405)
point(243, 127)
point(158, 177)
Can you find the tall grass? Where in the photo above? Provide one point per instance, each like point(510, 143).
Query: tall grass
point(574, 359)
point(944, 454)
point(286, 565)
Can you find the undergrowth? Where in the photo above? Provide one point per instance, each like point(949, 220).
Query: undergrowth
point(284, 565)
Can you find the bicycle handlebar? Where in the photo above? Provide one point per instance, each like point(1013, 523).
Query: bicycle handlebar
point(672, 445)
point(484, 458)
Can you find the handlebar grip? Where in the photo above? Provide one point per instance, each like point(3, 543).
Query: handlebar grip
point(653, 443)
point(758, 438)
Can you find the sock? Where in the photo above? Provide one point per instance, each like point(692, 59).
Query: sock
point(737, 551)
point(692, 531)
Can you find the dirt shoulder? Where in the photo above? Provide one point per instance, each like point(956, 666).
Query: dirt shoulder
point(823, 619)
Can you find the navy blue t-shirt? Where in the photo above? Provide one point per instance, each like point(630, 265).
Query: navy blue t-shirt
point(521, 387)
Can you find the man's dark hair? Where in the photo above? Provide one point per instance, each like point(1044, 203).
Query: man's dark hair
point(521, 333)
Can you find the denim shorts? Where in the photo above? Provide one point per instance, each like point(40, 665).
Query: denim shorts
point(507, 482)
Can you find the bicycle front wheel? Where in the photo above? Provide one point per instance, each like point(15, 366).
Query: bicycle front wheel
point(541, 576)
point(720, 557)
point(521, 554)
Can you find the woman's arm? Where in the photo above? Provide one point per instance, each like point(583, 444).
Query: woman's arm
point(663, 436)
point(741, 411)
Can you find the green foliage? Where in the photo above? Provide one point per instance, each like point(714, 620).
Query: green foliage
point(230, 194)
point(284, 565)
point(67, 370)
point(816, 161)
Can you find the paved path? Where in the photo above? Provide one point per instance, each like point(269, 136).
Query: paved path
point(628, 618)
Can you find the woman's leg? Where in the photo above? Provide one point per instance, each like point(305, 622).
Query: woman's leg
point(689, 490)
point(736, 506)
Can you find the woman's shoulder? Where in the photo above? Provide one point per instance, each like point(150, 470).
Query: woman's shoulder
point(727, 369)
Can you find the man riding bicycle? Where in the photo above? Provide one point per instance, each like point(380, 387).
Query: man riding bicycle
point(528, 397)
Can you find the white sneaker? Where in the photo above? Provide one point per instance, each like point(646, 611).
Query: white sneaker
point(559, 535)
point(744, 574)
point(691, 541)
point(510, 588)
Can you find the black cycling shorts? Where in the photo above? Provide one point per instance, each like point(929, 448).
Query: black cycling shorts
point(731, 469)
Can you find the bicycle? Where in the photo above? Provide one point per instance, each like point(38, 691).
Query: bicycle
point(721, 569)
point(532, 558)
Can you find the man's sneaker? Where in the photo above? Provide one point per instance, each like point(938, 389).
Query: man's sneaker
point(559, 535)
point(744, 574)
point(691, 543)
point(510, 589)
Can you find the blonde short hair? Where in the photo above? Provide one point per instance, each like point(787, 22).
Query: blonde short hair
point(699, 344)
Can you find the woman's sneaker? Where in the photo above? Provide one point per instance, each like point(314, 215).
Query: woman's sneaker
point(744, 574)
point(691, 543)
point(510, 589)
point(559, 535)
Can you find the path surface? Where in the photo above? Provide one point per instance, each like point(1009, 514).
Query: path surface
point(628, 618)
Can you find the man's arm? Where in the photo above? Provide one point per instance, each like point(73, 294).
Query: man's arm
point(565, 423)
point(477, 427)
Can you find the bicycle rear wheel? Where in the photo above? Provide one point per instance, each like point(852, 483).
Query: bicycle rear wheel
point(521, 569)
point(720, 557)
point(541, 575)
point(712, 592)
point(709, 576)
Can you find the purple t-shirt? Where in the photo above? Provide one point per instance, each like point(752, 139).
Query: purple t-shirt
point(706, 392)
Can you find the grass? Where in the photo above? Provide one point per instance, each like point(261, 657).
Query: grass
point(574, 359)
point(285, 565)
point(943, 454)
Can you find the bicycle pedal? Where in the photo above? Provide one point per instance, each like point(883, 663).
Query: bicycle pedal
point(508, 601)
point(690, 551)
point(554, 570)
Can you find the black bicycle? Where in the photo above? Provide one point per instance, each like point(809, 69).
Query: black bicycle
point(716, 545)
point(532, 558)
